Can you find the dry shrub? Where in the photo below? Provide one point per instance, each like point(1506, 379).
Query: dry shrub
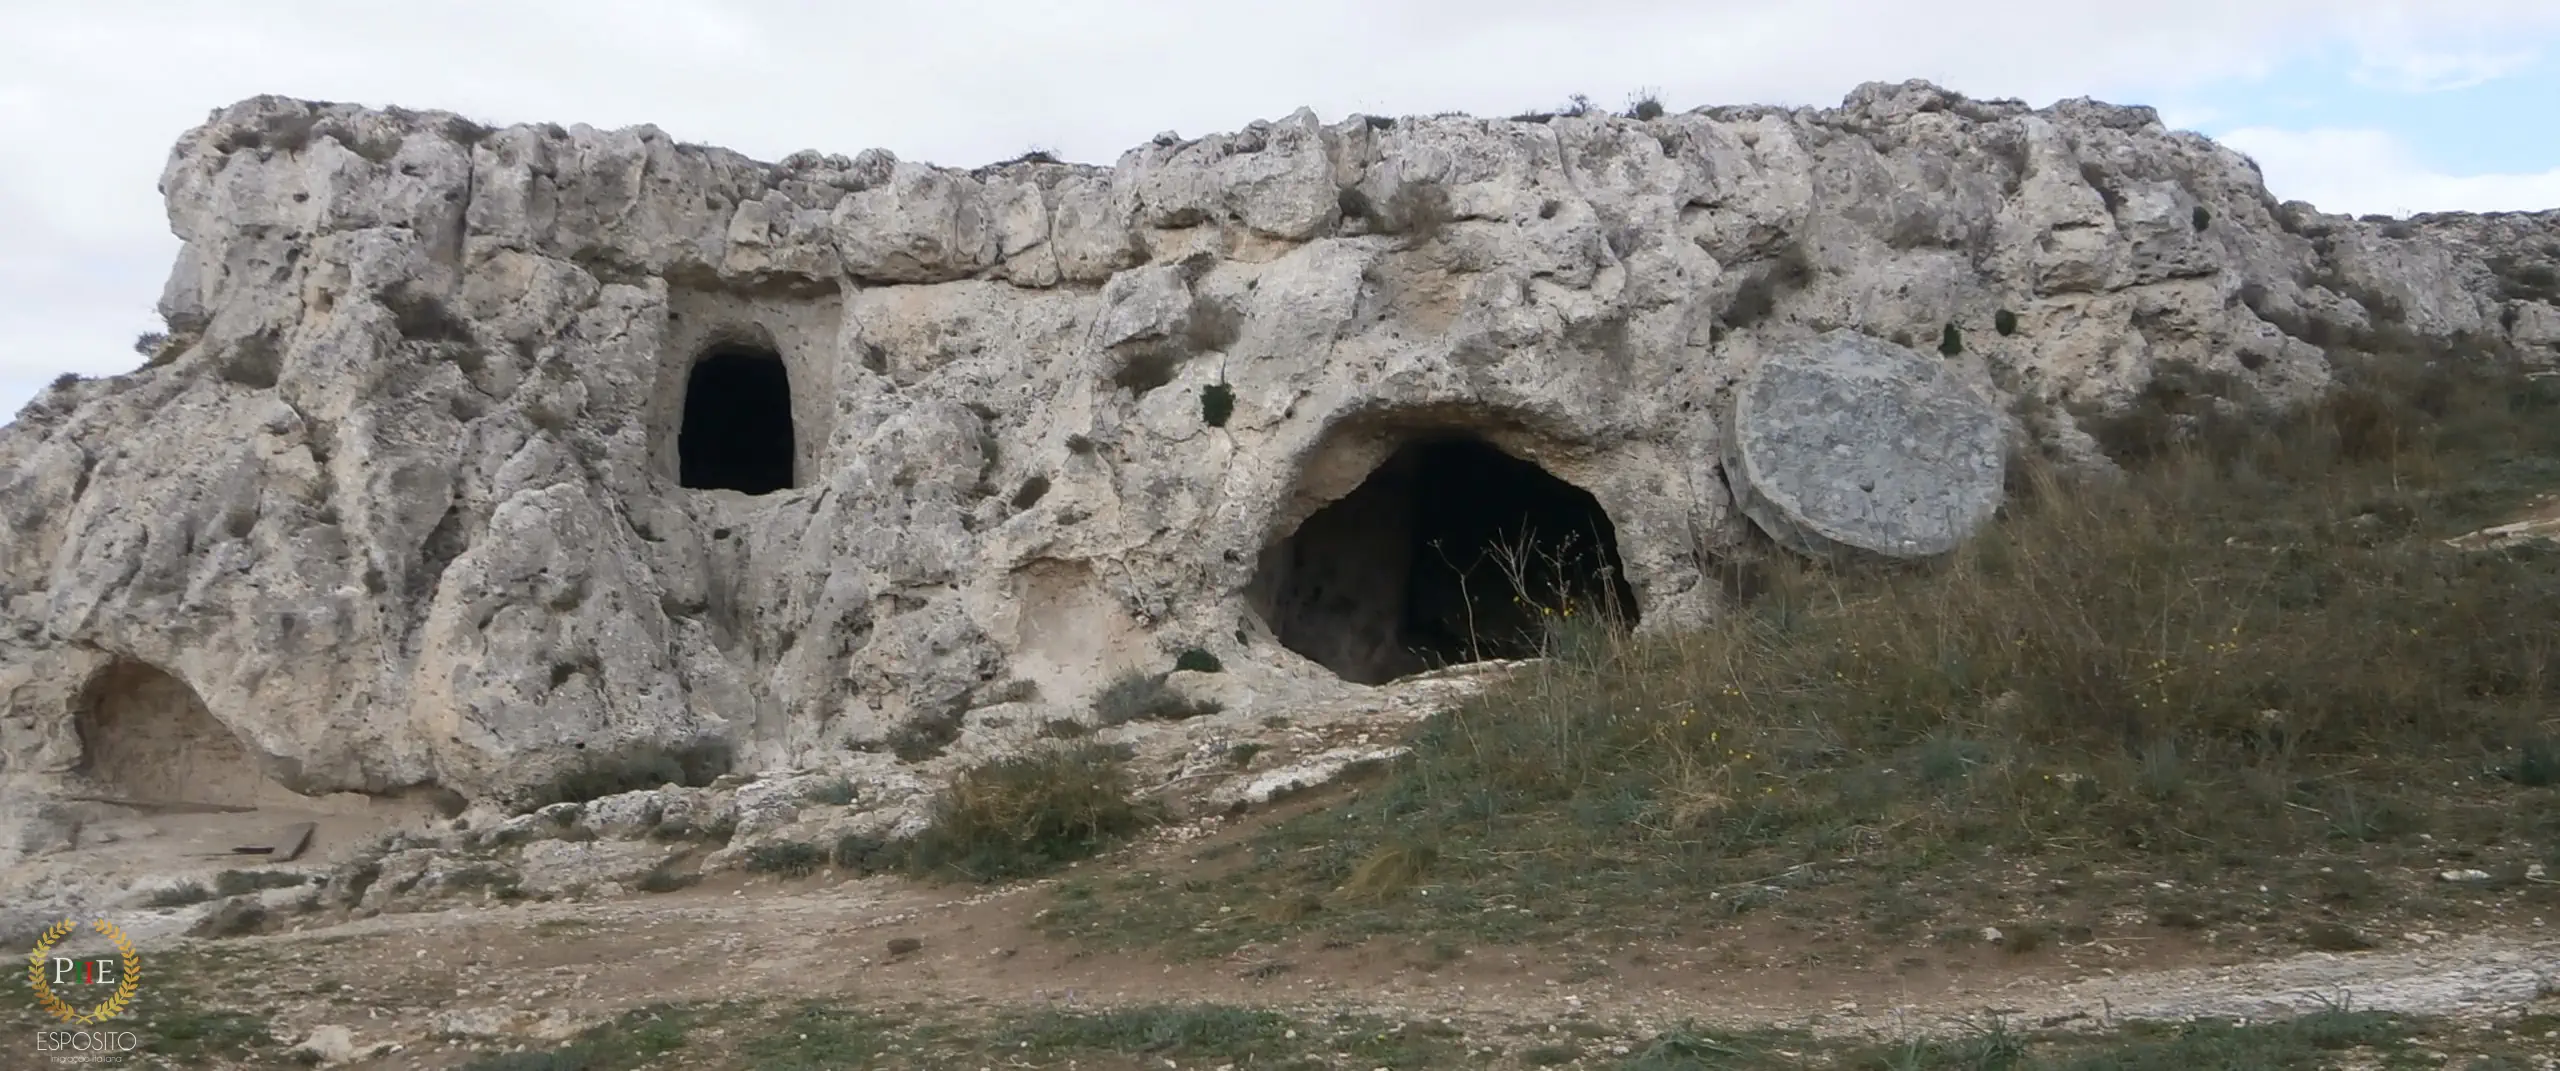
point(1027, 814)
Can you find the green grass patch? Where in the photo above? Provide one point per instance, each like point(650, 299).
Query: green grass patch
point(632, 1040)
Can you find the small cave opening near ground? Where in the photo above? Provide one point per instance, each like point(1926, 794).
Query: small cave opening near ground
point(737, 431)
point(1451, 551)
point(145, 735)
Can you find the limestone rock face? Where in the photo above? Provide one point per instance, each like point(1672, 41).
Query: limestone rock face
point(1846, 443)
point(552, 463)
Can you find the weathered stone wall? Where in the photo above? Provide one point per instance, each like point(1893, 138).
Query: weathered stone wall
point(401, 505)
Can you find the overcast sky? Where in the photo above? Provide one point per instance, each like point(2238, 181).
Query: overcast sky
point(2356, 105)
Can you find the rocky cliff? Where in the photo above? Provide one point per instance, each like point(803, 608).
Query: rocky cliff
point(509, 461)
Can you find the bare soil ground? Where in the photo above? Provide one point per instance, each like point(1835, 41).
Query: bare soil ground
point(735, 954)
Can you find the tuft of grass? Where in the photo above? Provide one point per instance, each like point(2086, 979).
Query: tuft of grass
point(1212, 326)
point(1387, 873)
point(791, 859)
point(632, 770)
point(2005, 322)
point(194, 1035)
point(2329, 936)
point(1064, 729)
point(243, 882)
point(1136, 695)
point(835, 792)
point(865, 854)
point(821, 1038)
point(181, 895)
point(666, 879)
point(1950, 341)
point(1028, 814)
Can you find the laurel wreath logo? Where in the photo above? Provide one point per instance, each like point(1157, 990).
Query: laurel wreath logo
point(105, 1009)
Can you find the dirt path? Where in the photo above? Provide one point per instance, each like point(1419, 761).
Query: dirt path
point(538, 972)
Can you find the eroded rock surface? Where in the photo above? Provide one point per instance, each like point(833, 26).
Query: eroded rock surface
point(403, 502)
point(1846, 444)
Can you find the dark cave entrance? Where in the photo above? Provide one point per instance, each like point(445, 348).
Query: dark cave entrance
point(737, 422)
point(1452, 551)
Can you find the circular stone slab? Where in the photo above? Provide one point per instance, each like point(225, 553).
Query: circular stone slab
point(1846, 443)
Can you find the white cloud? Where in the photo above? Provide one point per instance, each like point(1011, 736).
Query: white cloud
point(93, 94)
point(2368, 171)
point(2438, 72)
point(2433, 48)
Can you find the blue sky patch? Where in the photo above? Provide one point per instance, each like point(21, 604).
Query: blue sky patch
point(2508, 124)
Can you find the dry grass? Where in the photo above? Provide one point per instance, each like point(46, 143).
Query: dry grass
point(1023, 815)
point(2251, 649)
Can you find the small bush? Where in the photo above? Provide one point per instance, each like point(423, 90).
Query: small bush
point(149, 342)
point(1195, 660)
point(1950, 341)
point(1646, 106)
point(66, 380)
point(2005, 322)
point(2520, 281)
point(466, 132)
point(1065, 729)
point(924, 738)
point(1028, 814)
point(834, 793)
point(244, 882)
point(179, 896)
point(1140, 696)
point(666, 880)
point(791, 859)
point(1217, 404)
point(2537, 763)
point(2201, 218)
point(1212, 326)
point(864, 854)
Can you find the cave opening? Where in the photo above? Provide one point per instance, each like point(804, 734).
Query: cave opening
point(1452, 551)
point(737, 422)
point(145, 735)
